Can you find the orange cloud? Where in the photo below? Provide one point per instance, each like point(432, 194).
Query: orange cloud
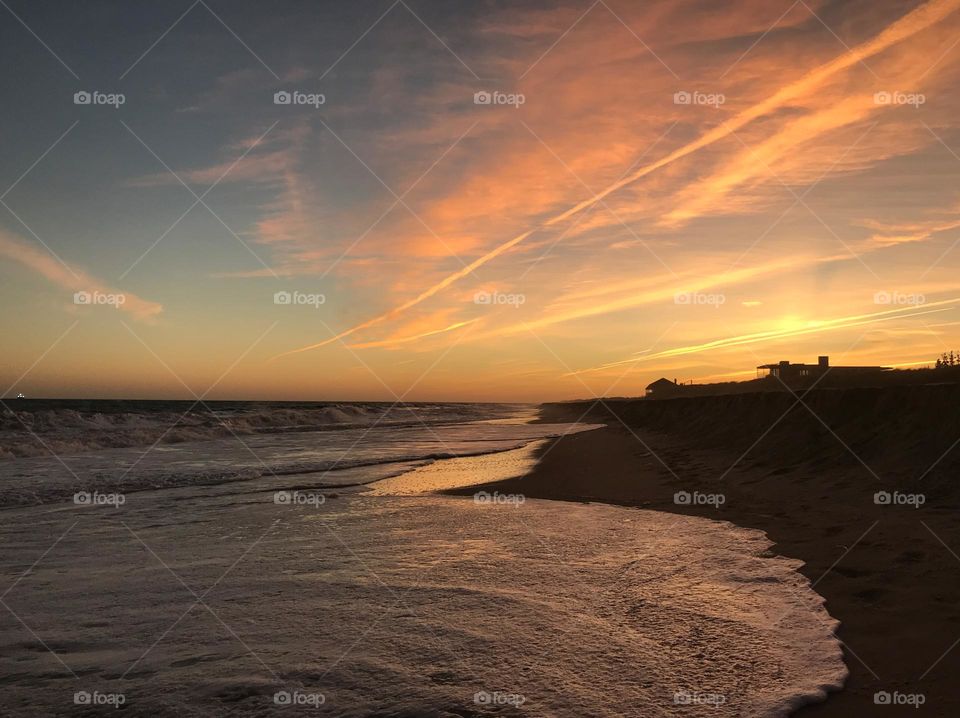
point(52, 269)
point(397, 341)
point(812, 327)
point(794, 93)
point(890, 235)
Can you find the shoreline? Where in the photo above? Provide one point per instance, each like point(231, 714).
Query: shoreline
point(885, 574)
point(372, 604)
point(882, 571)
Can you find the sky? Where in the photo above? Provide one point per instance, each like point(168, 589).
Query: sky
point(469, 200)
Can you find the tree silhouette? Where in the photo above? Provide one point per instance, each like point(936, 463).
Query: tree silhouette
point(948, 359)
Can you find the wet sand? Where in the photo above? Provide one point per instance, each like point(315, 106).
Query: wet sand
point(883, 570)
point(235, 600)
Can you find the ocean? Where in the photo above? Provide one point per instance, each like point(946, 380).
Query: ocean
point(304, 559)
point(64, 447)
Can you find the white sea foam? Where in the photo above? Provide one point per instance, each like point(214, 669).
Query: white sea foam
point(410, 606)
point(323, 455)
point(39, 427)
point(387, 602)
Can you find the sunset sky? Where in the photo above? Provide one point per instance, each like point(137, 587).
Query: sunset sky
point(679, 188)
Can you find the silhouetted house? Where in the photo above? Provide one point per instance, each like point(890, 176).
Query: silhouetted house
point(663, 389)
point(799, 374)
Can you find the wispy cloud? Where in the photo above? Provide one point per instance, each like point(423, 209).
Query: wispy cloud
point(810, 327)
point(73, 280)
point(894, 234)
point(401, 340)
point(743, 166)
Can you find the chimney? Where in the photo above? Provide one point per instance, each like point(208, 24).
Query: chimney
point(823, 362)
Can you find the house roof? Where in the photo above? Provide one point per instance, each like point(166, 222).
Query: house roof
point(661, 383)
point(815, 366)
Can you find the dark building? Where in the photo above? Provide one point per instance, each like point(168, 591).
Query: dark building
point(807, 373)
point(662, 389)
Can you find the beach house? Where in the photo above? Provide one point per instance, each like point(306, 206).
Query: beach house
point(791, 374)
point(663, 388)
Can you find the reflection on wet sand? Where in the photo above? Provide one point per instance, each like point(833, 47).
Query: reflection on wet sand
point(464, 471)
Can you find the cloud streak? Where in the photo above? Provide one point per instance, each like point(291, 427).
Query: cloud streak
point(794, 92)
point(53, 270)
point(392, 343)
point(814, 327)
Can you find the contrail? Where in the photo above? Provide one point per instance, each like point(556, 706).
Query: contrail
point(908, 25)
point(419, 298)
point(820, 326)
point(415, 337)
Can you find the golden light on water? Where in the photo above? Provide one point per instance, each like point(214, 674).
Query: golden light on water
point(756, 183)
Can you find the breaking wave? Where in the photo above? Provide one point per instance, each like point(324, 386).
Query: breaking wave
point(38, 427)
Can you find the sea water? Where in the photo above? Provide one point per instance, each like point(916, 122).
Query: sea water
point(368, 595)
